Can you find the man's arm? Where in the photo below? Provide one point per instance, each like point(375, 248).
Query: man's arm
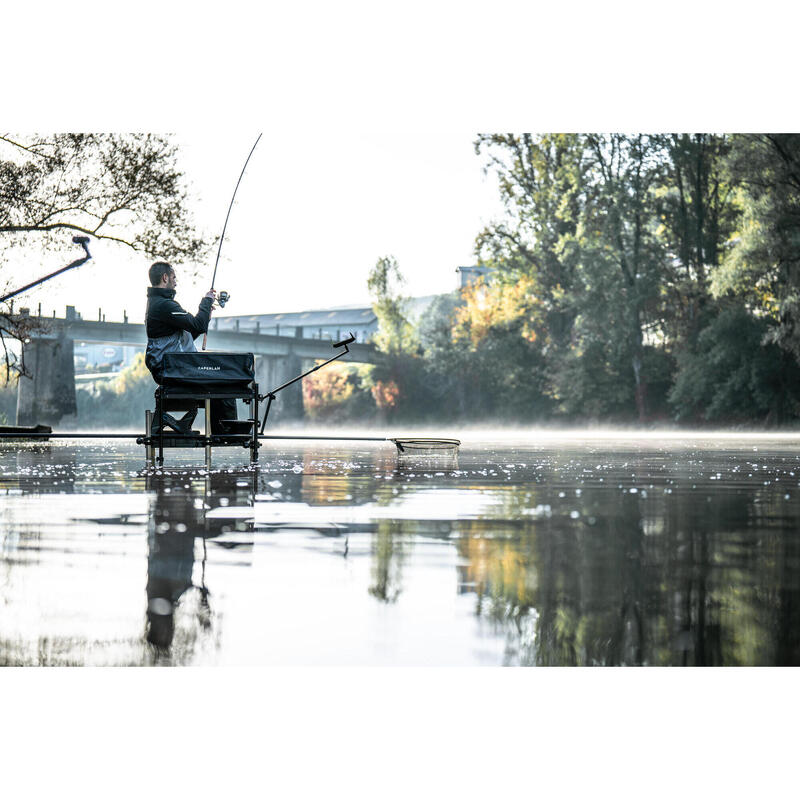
point(177, 317)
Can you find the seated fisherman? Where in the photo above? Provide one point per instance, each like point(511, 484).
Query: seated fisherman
point(172, 329)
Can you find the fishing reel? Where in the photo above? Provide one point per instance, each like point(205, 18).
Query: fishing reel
point(223, 298)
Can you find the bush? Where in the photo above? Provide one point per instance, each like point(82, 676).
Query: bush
point(8, 402)
point(118, 403)
point(731, 376)
point(337, 394)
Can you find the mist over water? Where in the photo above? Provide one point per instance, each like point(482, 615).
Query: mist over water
point(530, 548)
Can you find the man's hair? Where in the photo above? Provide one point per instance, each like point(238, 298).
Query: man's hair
point(158, 271)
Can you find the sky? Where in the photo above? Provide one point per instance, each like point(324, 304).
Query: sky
point(318, 207)
point(314, 211)
point(369, 115)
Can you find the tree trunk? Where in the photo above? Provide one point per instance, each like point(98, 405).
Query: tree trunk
point(636, 362)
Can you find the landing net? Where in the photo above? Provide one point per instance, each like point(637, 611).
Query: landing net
point(427, 447)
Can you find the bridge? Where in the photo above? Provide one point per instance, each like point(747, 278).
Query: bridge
point(260, 344)
point(50, 394)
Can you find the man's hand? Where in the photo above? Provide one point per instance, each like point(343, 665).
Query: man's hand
point(211, 294)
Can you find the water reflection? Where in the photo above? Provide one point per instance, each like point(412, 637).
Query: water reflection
point(181, 514)
point(687, 574)
point(555, 554)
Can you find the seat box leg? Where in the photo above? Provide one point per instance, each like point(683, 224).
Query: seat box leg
point(150, 452)
point(160, 417)
point(208, 434)
point(254, 442)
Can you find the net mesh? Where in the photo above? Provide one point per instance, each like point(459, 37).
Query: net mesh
point(427, 447)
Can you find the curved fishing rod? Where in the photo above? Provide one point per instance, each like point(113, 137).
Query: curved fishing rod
point(225, 226)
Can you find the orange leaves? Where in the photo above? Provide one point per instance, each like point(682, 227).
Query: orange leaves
point(326, 389)
point(385, 394)
point(490, 305)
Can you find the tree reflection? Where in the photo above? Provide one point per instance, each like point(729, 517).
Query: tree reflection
point(626, 578)
point(388, 553)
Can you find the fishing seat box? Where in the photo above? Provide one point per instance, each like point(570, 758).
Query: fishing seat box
point(204, 375)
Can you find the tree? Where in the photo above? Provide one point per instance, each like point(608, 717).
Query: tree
point(763, 266)
point(540, 181)
point(619, 249)
point(385, 281)
point(697, 218)
point(125, 188)
point(581, 221)
point(397, 385)
point(730, 375)
point(122, 187)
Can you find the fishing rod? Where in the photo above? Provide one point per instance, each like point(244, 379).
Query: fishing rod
point(83, 241)
point(224, 296)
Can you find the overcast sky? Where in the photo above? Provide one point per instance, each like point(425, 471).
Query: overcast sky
point(314, 211)
point(369, 116)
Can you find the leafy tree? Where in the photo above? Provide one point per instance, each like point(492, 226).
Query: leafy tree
point(336, 394)
point(581, 222)
point(398, 384)
point(763, 267)
point(620, 254)
point(123, 187)
point(126, 188)
point(540, 181)
point(732, 376)
point(501, 370)
point(8, 396)
point(385, 282)
point(117, 403)
point(697, 217)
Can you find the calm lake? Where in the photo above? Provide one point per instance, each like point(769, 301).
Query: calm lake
point(542, 550)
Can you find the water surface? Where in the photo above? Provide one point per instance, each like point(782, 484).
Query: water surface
point(543, 551)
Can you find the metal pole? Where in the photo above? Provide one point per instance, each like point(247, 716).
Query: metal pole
point(81, 240)
point(208, 434)
point(148, 425)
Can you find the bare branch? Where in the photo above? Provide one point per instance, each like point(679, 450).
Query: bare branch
point(22, 147)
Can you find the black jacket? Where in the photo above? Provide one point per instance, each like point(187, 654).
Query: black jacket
point(165, 316)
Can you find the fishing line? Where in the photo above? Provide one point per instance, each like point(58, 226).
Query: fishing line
point(225, 226)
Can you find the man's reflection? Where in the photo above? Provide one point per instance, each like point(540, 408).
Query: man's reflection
point(180, 515)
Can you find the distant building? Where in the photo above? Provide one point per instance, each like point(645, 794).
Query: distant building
point(467, 275)
point(325, 323)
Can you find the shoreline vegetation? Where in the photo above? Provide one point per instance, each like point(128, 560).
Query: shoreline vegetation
point(640, 282)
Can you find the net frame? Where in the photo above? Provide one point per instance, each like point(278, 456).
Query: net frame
point(426, 446)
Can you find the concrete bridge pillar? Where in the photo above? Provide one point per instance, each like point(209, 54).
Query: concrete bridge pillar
point(273, 371)
point(48, 396)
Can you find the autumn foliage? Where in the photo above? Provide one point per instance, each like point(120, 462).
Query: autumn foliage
point(385, 394)
point(326, 390)
point(488, 305)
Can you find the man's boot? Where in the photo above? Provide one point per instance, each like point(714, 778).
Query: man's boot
point(182, 425)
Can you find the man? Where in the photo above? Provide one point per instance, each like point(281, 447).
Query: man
point(172, 329)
